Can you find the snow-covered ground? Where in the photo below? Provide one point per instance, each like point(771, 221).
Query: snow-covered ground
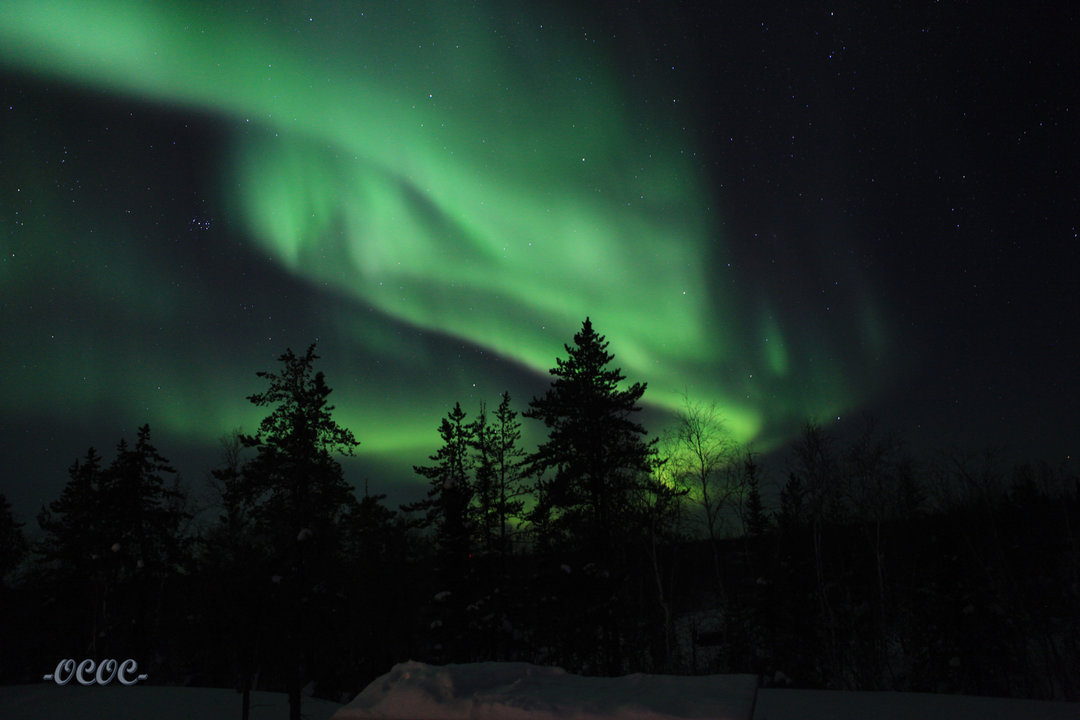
point(834, 705)
point(519, 691)
point(49, 701)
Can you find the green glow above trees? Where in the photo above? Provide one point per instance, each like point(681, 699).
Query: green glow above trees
point(456, 172)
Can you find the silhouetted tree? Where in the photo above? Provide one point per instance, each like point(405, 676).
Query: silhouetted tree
point(704, 457)
point(792, 504)
point(484, 483)
point(447, 509)
point(13, 545)
point(234, 567)
point(592, 472)
point(499, 476)
point(13, 548)
point(73, 555)
point(146, 508)
point(755, 520)
point(115, 537)
point(818, 473)
point(595, 459)
point(498, 485)
point(73, 523)
point(298, 498)
point(374, 629)
point(661, 502)
point(701, 449)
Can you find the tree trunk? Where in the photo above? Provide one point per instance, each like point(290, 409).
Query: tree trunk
point(665, 607)
point(294, 698)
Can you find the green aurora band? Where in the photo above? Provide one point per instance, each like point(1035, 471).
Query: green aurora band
point(460, 175)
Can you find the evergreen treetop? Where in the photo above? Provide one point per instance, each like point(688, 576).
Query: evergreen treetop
point(596, 455)
point(294, 478)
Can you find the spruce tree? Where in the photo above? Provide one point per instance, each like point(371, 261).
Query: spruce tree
point(508, 464)
point(375, 631)
point(447, 509)
point(498, 476)
point(484, 483)
point(145, 512)
point(233, 568)
point(756, 521)
point(114, 539)
point(596, 461)
point(299, 501)
point(75, 554)
point(591, 516)
point(295, 482)
point(16, 611)
point(13, 543)
point(497, 483)
point(146, 506)
point(73, 539)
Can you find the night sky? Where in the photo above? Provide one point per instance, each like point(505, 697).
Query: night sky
point(820, 212)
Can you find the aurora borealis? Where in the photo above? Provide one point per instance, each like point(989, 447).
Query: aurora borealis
point(441, 193)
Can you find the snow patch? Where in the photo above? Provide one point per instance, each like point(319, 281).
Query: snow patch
point(522, 691)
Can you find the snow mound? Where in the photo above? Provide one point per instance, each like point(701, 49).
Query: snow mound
point(521, 691)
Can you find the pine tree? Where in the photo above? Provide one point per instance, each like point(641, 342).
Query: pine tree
point(145, 508)
point(756, 520)
point(74, 554)
point(792, 503)
point(447, 508)
point(484, 483)
point(114, 539)
point(13, 545)
point(375, 629)
point(497, 484)
point(16, 610)
point(294, 482)
point(73, 539)
point(509, 466)
point(233, 567)
point(145, 514)
point(299, 499)
point(596, 454)
point(592, 476)
point(498, 476)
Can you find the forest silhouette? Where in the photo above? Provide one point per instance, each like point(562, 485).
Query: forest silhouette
point(604, 550)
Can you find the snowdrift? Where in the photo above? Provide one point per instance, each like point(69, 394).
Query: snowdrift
point(520, 691)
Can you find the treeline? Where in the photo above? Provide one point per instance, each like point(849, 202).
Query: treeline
point(876, 572)
point(601, 550)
